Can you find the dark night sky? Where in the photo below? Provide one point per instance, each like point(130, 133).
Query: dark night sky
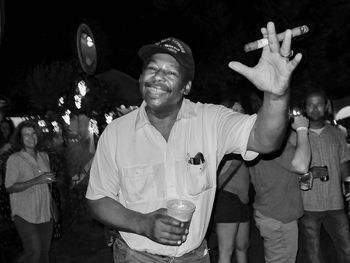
point(44, 31)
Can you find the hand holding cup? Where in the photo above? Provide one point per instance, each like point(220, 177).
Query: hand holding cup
point(46, 177)
point(347, 188)
point(163, 229)
point(182, 210)
point(347, 197)
point(300, 122)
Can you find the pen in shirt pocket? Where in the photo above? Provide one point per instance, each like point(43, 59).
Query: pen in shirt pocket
point(197, 159)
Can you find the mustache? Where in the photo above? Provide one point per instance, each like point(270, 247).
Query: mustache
point(149, 84)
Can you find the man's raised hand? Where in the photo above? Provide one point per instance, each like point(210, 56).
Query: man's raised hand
point(273, 72)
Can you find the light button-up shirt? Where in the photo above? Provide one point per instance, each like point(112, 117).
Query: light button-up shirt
point(328, 149)
point(138, 168)
point(32, 204)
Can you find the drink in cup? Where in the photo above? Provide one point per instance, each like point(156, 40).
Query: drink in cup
point(347, 185)
point(306, 181)
point(181, 209)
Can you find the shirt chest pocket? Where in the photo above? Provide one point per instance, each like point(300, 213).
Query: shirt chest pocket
point(197, 179)
point(142, 183)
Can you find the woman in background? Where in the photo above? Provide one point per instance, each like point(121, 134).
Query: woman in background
point(6, 130)
point(27, 181)
point(231, 212)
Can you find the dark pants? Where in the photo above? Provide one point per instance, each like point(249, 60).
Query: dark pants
point(335, 223)
point(122, 253)
point(36, 240)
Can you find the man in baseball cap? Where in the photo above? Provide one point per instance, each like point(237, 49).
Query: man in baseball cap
point(170, 147)
point(174, 47)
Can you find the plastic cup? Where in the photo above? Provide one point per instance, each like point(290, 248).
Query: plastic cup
point(181, 209)
point(347, 185)
point(306, 181)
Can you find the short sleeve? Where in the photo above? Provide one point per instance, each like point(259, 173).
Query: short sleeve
point(103, 181)
point(12, 171)
point(234, 131)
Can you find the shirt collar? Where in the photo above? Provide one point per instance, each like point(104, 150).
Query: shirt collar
point(325, 128)
point(186, 111)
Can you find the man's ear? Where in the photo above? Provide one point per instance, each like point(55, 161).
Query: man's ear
point(187, 88)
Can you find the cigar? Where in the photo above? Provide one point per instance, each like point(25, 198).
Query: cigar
point(297, 31)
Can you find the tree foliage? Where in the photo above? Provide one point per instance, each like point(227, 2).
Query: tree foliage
point(48, 82)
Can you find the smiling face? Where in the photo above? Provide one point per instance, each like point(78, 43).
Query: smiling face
point(162, 85)
point(29, 137)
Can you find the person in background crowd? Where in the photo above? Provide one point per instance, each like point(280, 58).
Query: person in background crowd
point(170, 147)
point(28, 175)
point(347, 199)
point(324, 203)
point(278, 203)
point(6, 129)
point(231, 212)
point(52, 144)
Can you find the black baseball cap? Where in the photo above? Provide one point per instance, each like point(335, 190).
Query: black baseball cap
point(174, 47)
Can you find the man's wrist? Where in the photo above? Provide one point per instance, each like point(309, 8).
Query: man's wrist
point(141, 228)
point(301, 129)
point(282, 97)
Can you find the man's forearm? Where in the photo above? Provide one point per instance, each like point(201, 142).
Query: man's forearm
point(302, 156)
point(112, 213)
point(269, 129)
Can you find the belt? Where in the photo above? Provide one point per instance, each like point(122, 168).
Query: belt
point(116, 237)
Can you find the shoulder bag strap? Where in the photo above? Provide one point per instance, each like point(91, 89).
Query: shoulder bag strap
point(232, 174)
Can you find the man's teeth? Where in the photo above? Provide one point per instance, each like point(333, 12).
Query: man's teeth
point(157, 89)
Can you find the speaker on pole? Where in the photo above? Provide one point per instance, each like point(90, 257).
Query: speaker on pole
point(86, 49)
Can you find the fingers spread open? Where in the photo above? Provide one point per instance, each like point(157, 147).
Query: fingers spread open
point(240, 68)
point(296, 60)
point(264, 32)
point(286, 44)
point(265, 35)
point(273, 41)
